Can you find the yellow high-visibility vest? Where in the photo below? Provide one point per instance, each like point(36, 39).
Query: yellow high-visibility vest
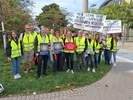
point(28, 43)
point(97, 47)
point(41, 40)
point(114, 46)
point(15, 49)
point(108, 43)
point(80, 42)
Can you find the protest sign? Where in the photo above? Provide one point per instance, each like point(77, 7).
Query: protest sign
point(112, 26)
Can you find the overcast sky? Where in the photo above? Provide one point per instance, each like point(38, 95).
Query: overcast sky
point(70, 5)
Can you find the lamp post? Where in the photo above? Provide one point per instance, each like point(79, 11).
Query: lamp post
point(2, 24)
point(85, 6)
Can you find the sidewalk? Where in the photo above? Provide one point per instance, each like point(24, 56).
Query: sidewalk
point(116, 85)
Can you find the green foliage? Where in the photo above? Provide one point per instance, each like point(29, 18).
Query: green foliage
point(14, 14)
point(52, 17)
point(123, 12)
point(53, 82)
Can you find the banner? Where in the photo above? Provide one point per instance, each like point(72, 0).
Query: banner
point(70, 46)
point(112, 26)
point(90, 22)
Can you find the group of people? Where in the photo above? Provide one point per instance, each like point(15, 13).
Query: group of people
point(60, 48)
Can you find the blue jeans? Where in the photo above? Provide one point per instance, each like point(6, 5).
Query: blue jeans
point(16, 65)
point(96, 55)
point(114, 56)
point(107, 55)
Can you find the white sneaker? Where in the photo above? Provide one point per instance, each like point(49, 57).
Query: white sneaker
point(93, 70)
point(72, 71)
point(18, 75)
point(88, 69)
point(114, 64)
point(68, 70)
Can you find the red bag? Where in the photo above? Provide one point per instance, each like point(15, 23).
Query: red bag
point(70, 46)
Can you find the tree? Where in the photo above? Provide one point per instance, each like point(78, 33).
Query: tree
point(52, 17)
point(122, 12)
point(14, 14)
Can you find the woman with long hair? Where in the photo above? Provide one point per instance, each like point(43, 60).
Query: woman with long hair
point(14, 51)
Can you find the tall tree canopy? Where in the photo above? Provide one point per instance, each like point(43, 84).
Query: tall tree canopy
point(15, 13)
point(52, 17)
point(123, 12)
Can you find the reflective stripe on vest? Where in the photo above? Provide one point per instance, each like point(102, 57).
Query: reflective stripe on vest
point(28, 43)
point(41, 40)
point(16, 49)
point(80, 42)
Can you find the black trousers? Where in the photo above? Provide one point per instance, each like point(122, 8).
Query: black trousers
point(42, 64)
point(57, 64)
point(69, 60)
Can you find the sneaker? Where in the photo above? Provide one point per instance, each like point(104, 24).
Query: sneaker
point(72, 71)
point(88, 69)
point(68, 70)
point(19, 76)
point(114, 64)
point(16, 77)
point(93, 70)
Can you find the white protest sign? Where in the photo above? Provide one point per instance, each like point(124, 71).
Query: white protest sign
point(89, 22)
point(93, 22)
point(112, 26)
point(78, 21)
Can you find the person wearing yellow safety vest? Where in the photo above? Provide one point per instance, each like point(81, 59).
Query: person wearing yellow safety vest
point(28, 47)
point(89, 53)
point(69, 54)
point(80, 42)
point(14, 51)
point(108, 52)
point(114, 48)
point(97, 47)
point(57, 50)
point(41, 50)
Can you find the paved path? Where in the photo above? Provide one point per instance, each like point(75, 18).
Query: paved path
point(116, 85)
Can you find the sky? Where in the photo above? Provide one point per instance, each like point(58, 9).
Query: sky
point(72, 6)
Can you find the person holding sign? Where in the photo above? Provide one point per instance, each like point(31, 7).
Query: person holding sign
point(42, 49)
point(97, 46)
point(57, 49)
point(69, 48)
point(89, 53)
point(80, 42)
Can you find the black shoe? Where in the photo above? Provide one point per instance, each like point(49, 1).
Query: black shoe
point(45, 74)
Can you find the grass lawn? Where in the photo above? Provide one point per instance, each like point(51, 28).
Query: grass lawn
point(53, 82)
